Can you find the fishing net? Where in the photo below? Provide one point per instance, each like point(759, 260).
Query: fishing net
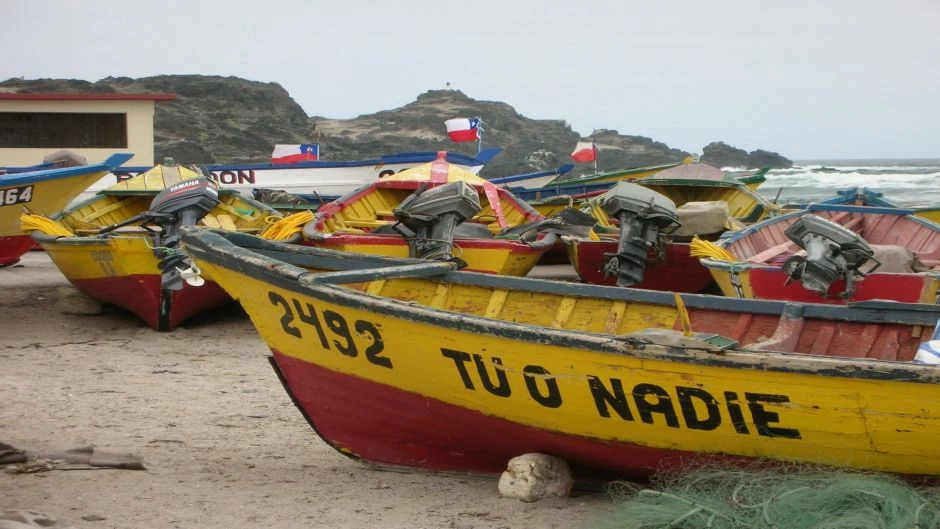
point(781, 497)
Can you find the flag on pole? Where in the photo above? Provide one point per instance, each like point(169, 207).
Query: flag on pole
point(295, 153)
point(463, 129)
point(584, 151)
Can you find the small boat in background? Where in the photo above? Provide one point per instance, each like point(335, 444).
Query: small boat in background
point(120, 246)
point(313, 178)
point(435, 211)
point(411, 364)
point(532, 180)
point(43, 192)
point(832, 253)
point(588, 185)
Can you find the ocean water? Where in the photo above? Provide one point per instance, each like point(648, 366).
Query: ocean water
point(905, 182)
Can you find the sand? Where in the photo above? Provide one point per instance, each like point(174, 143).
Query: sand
point(222, 443)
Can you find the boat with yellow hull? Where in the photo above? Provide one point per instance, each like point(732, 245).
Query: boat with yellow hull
point(419, 366)
point(125, 267)
point(42, 192)
point(832, 253)
point(435, 211)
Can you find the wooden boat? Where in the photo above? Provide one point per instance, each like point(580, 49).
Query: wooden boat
point(434, 211)
point(863, 196)
point(832, 253)
point(414, 366)
point(589, 185)
point(42, 192)
point(702, 171)
point(697, 208)
point(120, 249)
point(532, 180)
point(314, 178)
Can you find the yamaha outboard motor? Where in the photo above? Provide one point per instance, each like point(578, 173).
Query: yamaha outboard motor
point(832, 251)
point(644, 215)
point(182, 204)
point(428, 218)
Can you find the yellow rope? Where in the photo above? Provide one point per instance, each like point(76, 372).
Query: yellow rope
point(30, 222)
point(702, 248)
point(285, 227)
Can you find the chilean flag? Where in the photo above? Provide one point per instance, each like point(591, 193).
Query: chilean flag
point(295, 153)
point(463, 129)
point(584, 152)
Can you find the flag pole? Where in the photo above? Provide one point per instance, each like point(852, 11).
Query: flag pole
point(594, 146)
point(480, 136)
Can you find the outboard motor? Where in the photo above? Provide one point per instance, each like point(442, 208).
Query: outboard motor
point(644, 215)
point(428, 218)
point(832, 251)
point(182, 204)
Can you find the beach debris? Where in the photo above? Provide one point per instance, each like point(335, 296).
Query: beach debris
point(20, 519)
point(531, 477)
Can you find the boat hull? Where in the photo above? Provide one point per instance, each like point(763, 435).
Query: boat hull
point(123, 271)
point(677, 271)
point(464, 372)
point(42, 192)
point(313, 178)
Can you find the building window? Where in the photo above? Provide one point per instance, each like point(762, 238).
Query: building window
point(54, 130)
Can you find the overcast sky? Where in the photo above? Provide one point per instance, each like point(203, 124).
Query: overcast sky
point(804, 78)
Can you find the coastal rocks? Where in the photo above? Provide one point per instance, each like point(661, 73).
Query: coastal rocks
point(531, 477)
point(720, 154)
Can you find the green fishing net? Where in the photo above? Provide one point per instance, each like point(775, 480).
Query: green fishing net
point(778, 497)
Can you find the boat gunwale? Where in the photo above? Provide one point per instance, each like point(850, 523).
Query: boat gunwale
point(206, 244)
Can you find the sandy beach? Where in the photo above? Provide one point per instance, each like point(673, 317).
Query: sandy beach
point(222, 444)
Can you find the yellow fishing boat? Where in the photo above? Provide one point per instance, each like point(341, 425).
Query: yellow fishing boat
point(42, 192)
point(416, 365)
point(435, 211)
point(120, 246)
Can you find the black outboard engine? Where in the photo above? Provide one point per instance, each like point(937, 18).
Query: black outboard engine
point(644, 215)
point(182, 204)
point(428, 218)
point(832, 251)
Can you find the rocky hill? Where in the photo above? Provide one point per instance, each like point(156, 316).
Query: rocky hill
point(232, 120)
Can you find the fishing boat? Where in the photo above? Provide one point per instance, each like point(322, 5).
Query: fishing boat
point(532, 180)
point(661, 215)
point(435, 211)
point(419, 366)
point(43, 192)
point(120, 246)
point(588, 185)
point(831, 253)
point(313, 178)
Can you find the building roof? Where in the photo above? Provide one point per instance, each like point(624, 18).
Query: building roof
point(157, 97)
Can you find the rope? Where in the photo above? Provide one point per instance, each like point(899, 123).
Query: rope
point(280, 229)
point(30, 222)
point(702, 248)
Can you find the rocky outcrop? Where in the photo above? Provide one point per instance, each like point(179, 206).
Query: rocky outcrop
point(720, 154)
point(218, 119)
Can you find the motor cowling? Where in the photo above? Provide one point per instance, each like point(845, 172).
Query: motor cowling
point(644, 216)
point(832, 252)
point(428, 217)
point(182, 204)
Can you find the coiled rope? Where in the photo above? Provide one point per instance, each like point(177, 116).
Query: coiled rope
point(280, 229)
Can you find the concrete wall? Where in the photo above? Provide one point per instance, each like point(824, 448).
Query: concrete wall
point(139, 129)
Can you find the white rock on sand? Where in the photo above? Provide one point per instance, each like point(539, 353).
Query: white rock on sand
point(223, 445)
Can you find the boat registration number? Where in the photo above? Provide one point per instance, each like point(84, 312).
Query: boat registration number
point(16, 195)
